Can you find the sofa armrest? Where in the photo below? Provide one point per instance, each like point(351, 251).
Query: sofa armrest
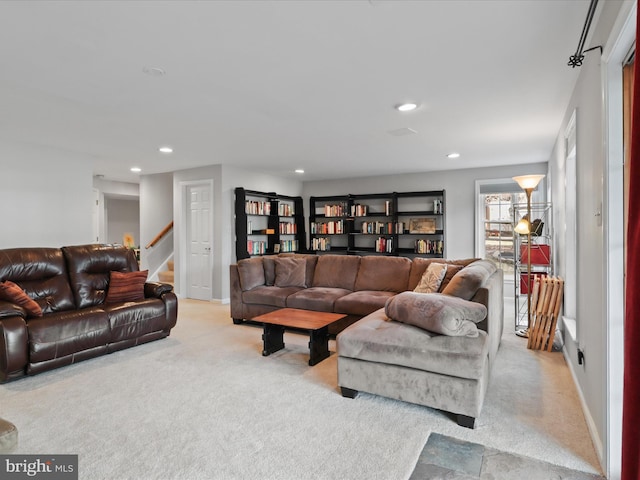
point(13, 347)
point(8, 309)
point(235, 292)
point(156, 289)
point(490, 294)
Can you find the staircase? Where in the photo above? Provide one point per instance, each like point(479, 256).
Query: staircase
point(167, 275)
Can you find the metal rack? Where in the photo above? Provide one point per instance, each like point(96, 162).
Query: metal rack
point(542, 251)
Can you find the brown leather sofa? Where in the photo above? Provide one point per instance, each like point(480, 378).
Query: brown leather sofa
point(70, 285)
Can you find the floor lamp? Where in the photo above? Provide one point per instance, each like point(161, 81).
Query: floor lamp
point(528, 183)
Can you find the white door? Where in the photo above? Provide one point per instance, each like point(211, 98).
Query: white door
point(199, 221)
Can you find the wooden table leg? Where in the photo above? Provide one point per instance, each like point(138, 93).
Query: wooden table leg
point(272, 339)
point(318, 345)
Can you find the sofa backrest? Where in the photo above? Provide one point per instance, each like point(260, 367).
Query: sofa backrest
point(90, 267)
point(41, 273)
point(336, 271)
point(388, 274)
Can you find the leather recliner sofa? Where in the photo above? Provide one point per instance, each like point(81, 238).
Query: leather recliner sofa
point(70, 285)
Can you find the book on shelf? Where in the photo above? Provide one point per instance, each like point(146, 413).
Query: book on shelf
point(257, 208)
point(335, 210)
point(285, 210)
point(256, 247)
point(288, 245)
point(288, 228)
point(264, 231)
point(321, 244)
point(358, 210)
point(384, 245)
point(377, 228)
point(327, 228)
point(429, 246)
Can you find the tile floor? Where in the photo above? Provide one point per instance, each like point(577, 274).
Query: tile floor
point(452, 459)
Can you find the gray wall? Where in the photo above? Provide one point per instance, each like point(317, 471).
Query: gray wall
point(123, 216)
point(156, 212)
point(593, 327)
point(45, 197)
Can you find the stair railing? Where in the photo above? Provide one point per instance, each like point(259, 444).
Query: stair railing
point(160, 235)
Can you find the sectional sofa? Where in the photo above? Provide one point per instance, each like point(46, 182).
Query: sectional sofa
point(378, 353)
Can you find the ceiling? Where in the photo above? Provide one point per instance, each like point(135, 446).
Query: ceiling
point(279, 85)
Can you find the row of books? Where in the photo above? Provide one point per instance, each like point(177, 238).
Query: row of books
point(321, 244)
point(377, 227)
point(256, 247)
point(288, 228)
point(327, 227)
point(336, 210)
point(384, 245)
point(285, 210)
point(257, 208)
point(288, 245)
point(429, 246)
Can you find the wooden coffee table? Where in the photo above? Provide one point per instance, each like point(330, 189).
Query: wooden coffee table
point(316, 323)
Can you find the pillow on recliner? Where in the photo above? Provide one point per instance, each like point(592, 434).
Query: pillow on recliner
point(12, 292)
point(437, 313)
point(126, 286)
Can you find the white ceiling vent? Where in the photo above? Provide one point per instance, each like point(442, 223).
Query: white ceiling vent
point(401, 132)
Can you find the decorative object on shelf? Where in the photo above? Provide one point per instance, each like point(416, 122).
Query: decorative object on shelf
point(528, 183)
point(422, 225)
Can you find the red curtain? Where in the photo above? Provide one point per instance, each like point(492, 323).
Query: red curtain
point(631, 396)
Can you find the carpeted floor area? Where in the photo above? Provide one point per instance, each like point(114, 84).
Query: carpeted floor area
point(204, 404)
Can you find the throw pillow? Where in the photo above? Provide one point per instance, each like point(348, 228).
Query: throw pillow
point(126, 286)
point(290, 272)
point(12, 292)
point(451, 271)
point(467, 281)
point(431, 278)
point(251, 272)
point(437, 313)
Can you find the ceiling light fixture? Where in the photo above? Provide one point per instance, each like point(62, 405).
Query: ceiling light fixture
point(136, 169)
point(453, 155)
point(406, 107)
point(299, 170)
point(165, 149)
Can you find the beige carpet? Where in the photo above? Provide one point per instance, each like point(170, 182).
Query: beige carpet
point(204, 404)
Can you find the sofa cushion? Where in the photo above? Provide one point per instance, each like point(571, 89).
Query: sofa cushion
point(362, 302)
point(11, 292)
point(62, 334)
point(319, 299)
point(251, 273)
point(290, 272)
point(437, 313)
point(419, 265)
point(133, 320)
point(467, 281)
point(451, 271)
point(389, 274)
point(126, 286)
point(269, 265)
point(431, 278)
point(336, 271)
point(376, 338)
point(275, 296)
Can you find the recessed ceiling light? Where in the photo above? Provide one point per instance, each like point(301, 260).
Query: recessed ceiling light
point(299, 170)
point(136, 169)
point(406, 107)
point(453, 155)
point(165, 149)
point(154, 71)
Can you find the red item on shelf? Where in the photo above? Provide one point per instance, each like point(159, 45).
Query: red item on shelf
point(540, 254)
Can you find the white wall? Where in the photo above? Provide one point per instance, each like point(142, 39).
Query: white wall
point(123, 217)
point(592, 329)
point(156, 212)
point(460, 195)
point(45, 197)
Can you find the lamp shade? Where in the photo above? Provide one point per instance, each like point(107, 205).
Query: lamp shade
point(528, 181)
point(523, 227)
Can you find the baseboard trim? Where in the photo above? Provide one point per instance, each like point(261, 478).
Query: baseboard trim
point(591, 425)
